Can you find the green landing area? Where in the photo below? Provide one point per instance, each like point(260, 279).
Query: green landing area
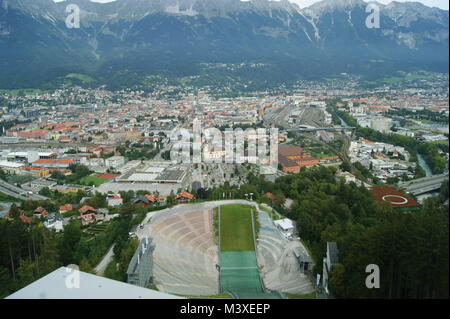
point(239, 272)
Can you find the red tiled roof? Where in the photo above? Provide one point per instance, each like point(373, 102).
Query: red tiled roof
point(151, 198)
point(41, 210)
point(268, 195)
point(52, 161)
point(66, 207)
point(25, 219)
point(85, 209)
point(184, 195)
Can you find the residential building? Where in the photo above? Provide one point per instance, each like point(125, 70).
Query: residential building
point(54, 222)
point(114, 200)
point(115, 161)
point(184, 197)
point(87, 214)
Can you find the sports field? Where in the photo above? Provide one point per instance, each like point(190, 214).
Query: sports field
point(236, 228)
point(94, 179)
point(239, 272)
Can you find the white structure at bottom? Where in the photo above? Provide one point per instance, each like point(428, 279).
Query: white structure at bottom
point(68, 283)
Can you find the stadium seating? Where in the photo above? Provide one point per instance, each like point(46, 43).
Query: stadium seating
point(279, 268)
point(185, 255)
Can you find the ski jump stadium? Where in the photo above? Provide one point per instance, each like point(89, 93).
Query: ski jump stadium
point(214, 248)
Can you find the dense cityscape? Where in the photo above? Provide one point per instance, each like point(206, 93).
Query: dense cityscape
point(192, 172)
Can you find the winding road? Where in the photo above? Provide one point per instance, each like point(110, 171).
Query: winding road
point(101, 267)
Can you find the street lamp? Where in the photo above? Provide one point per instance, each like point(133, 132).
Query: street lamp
point(251, 196)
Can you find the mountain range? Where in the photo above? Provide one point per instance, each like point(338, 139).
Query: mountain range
point(124, 41)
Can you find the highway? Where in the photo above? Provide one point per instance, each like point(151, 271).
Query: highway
point(424, 185)
point(19, 193)
point(12, 194)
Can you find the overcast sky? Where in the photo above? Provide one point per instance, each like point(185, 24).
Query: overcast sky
point(443, 4)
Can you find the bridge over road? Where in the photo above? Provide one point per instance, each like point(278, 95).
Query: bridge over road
point(424, 185)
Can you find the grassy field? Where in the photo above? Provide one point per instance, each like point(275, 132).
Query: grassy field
point(81, 77)
point(236, 228)
point(93, 180)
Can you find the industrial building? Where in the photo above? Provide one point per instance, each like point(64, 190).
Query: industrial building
point(155, 173)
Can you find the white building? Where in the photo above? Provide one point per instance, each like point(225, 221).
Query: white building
point(54, 222)
point(115, 161)
point(285, 225)
point(381, 124)
point(114, 200)
point(27, 157)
